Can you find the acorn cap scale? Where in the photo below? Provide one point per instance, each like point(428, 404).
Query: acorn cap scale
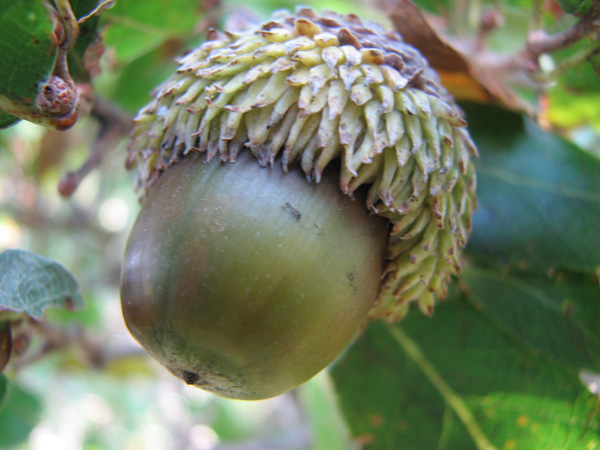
point(312, 88)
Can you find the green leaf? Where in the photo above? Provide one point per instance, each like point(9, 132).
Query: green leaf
point(506, 361)
point(575, 6)
point(89, 8)
point(553, 318)
point(5, 344)
point(87, 35)
point(19, 416)
point(571, 111)
point(30, 283)
point(581, 79)
point(137, 27)
point(28, 54)
point(321, 406)
point(573, 98)
point(34, 83)
point(457, 382)
point(132, 91)
point(7, 120)
point(538, 196)
point(3, 390)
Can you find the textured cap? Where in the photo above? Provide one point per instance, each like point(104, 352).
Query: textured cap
point(314, 88)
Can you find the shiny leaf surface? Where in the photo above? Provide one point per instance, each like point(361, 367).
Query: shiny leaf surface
point(538, 196)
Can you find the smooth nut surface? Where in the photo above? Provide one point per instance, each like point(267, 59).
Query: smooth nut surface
point(247, 281)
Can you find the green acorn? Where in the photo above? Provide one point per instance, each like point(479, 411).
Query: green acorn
point(347, 103)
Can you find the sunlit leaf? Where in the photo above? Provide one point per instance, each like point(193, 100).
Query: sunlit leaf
point(321, 405)
point(139, 27)
point(30, 283)
point(572, 110)
point(37, 38)
point(573, 98)
point(28, 52)
point(458, 382)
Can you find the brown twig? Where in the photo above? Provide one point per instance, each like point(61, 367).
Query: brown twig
point(5, 344)
point(53, 339)
point(89, 349)
point(539, 42)
point(490, 20)
point(523, 67)
point(114, 123)
point(211, 11)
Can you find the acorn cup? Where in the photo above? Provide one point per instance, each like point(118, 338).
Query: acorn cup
point(297, 179)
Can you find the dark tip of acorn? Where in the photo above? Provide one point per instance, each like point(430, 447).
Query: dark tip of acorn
point(189, 377)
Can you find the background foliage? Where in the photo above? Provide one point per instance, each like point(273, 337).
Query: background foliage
point(511, 360)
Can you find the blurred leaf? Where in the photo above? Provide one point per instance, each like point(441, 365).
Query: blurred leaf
point(86, 9)
point(19, 416)
point(569, 110)
point(320, 404)
point(575, 6)
point(457, 382)
point(132, 91)
point(434, 6)
point(136, 27)
point(538, 196)
point(134, 366)
point(265, 8)
point(574, 100)
point(6, 120)
point(594, 60)
point(581, 79)
point(5, 345)
point(89, 317)
point(3, 390)
point(30, 283)
point(87, 36)
point(464, 76)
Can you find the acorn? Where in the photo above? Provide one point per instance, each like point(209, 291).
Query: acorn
point(297, 179)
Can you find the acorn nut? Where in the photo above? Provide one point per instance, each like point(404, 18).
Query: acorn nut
point(350, 198)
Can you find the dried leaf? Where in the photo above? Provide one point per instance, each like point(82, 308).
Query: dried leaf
point(464, 77)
